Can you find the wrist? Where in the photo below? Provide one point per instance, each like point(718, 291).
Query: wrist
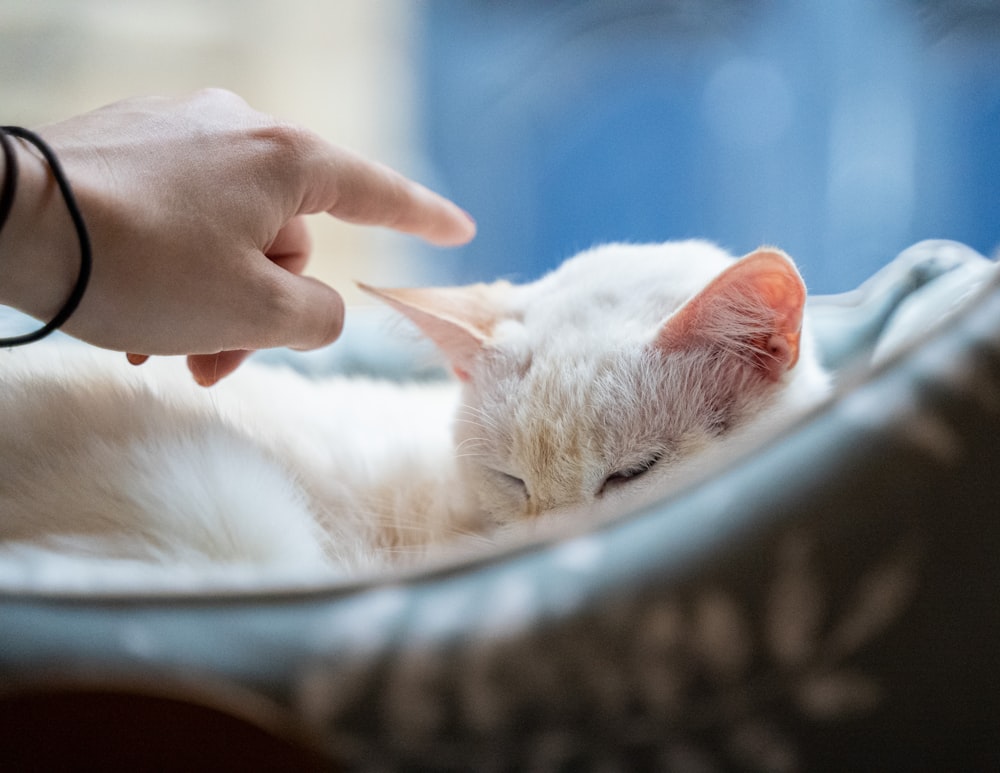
point(39, 253)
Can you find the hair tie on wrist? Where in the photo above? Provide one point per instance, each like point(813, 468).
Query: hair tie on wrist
point(9, 179)
point(6, 203)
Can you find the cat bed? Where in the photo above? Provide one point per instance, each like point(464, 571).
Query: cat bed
point(825, 601)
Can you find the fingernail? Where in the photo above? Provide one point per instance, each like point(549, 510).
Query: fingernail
point(203, 380)
point(473, 227)
point(136, 359)
point(200, 374)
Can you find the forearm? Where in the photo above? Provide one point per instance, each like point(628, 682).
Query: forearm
point(39, 254)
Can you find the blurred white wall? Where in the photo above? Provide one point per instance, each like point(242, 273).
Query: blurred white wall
point(342, 68)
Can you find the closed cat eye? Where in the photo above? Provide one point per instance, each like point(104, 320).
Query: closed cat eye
point(513, 479)
point(629, 473)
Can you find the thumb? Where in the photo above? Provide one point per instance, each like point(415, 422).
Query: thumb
point(313, 315)
point(287, 309)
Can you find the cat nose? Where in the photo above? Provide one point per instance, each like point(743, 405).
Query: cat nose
point(558, 513)
point(535, 507)
point(545, 504)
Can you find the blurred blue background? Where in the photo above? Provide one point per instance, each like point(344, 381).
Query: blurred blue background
point(840, 131)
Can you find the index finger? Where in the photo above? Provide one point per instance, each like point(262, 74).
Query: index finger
point(357, 190)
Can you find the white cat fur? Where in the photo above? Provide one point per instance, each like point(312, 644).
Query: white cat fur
point(564, 382)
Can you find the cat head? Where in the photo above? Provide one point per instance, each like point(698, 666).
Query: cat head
point(598, 382)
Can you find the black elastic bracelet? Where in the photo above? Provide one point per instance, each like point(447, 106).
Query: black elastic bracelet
point(81, 232)
point(9, 180)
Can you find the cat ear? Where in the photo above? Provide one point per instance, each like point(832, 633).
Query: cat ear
point(753, 309)
point(459, 320)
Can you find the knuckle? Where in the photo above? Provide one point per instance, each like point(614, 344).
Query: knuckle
point(216, 94)
point(275, 303)
point(287, 149)
point(287, 141)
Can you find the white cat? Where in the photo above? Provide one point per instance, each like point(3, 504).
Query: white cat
point(592, 389)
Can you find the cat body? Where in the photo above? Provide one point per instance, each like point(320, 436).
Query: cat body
point(592, 389)
point(101, 459)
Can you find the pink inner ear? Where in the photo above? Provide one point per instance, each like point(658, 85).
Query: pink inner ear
point(773, 277)
point(459, 320)
point(759, 300)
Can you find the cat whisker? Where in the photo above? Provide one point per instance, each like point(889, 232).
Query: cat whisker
point(478, 417)
point(479, 426)
point(471, 451)
point(476, 451)
point(409, 528)
point(470, 536)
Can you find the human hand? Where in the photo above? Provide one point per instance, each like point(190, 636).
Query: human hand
point(195, 210)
